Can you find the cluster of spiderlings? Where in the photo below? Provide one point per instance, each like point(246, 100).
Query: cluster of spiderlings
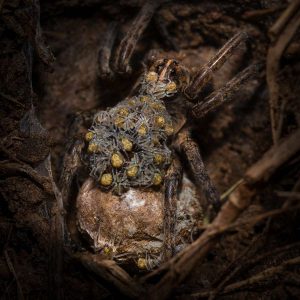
point(127, 145)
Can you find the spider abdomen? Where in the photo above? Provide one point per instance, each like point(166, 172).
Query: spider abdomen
point(127, 144)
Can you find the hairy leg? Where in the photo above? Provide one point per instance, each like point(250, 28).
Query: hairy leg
point(72, 160)
point(223, 94)
point(104, 54)
point(172, 181)
point(191, 151)
point(126, 48)
point(204, 75)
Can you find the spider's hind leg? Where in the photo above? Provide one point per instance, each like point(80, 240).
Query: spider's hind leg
point(172, 181)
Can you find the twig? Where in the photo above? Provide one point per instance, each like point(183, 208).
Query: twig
point(57, 239)
point(284, 194)
point(266, 274)
point(176, 269)
point(253, 14)
point(9, 169)
point(234, 265)
point(11, 268)
point(294, 248)
point(10, 98)
point(273, 58)
point(111, 272)
point(232, 189)
point(278, 26)
point(273, 158)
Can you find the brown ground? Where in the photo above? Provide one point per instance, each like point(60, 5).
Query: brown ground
point(231, 140)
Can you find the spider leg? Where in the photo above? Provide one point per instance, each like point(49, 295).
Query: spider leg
point(223, 94)
point(71, 164)
point(126, 48)
point(72, 160)
point(172, 181)
point(104, 54)
point(204, 75)
point(191, 151)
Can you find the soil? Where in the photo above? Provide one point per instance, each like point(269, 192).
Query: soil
point(39, 103)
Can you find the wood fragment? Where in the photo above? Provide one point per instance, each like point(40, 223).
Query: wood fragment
point(273, 59)
point(57, 234)
point(109, 271)
point(255, 14)
point(278, 26)
point(264, 275)
point(284, 194)
point(12, 270)
point(272, 159)
point(292, 248)
point(10, 169)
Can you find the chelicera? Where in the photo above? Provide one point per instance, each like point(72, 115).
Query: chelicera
point(128, 208)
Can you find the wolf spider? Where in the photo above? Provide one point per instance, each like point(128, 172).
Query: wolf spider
point(138, 144)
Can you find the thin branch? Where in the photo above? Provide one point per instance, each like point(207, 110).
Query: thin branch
point(259, 13)
point(264, 275)
point(57, 232)
point(112, 273)
point(12, 269)
point(10, 169)
point(273, 58)
point(278, 26)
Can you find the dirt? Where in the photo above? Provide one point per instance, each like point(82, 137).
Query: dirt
point(231, 139)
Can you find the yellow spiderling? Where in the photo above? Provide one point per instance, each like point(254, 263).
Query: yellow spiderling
point(132, 171)
point(123, 112)
point(142, 130)
point(157, 106)
point(157, 179)
point(127, 144)
point(142, 264)
point(106, 250)
point(119, 122)
point(106, 179)
point(132, 102)
point(160, 121)
point(116, 160)
point(169, 130)
point(92, 148)
point(89, 136)
point(144, 99)
point(159, 158)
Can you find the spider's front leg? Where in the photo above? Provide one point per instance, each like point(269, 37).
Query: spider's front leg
point(172, 180)
point(204, 75)
point(120, 61)
point(223, 94)
point(191, 151)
